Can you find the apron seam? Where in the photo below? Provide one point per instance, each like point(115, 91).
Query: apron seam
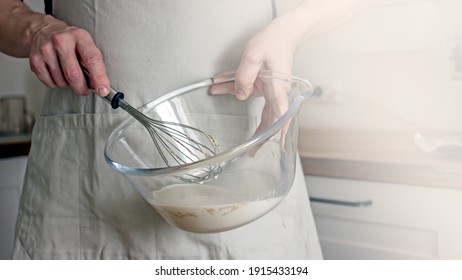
point(274, 9)
point(79, 197)
point(18, 234)
point(23, 247)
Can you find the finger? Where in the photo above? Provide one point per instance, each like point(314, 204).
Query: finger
point(57, 74)
point(38, 66)
point(266, 121)
point(245, 76)
point(65, 47)
point(74, 75)
point(223, 83)
point(223, 88)
point(281, 104)
point(277, 94)
point(224, 75)
point(92, 59)
point(50, 58)
point(285, 131)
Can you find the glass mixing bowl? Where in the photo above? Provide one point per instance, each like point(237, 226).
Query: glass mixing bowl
point(249, 176)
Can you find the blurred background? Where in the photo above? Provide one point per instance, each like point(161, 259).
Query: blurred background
point(396, 66)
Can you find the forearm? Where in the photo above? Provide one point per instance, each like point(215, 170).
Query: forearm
point(18, 24)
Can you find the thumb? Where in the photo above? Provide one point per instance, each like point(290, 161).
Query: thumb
point(246, 75)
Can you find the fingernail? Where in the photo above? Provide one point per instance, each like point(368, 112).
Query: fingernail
point(240, 94)
point(102, 91)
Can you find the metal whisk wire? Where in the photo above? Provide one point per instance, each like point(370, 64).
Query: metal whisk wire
point(175, 142)
point(174, 139)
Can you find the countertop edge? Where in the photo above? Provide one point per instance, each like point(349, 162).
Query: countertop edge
point(15, 145)
point(361, 156)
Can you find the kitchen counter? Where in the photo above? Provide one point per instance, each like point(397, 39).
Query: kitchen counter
point(379, 156)
point(12, 145)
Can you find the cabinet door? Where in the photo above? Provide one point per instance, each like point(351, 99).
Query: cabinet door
point(372, 220)
point(12, 172)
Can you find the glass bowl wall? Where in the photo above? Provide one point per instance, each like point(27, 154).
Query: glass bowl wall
point(251, 174)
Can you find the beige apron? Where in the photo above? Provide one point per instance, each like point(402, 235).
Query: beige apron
point(75, 207)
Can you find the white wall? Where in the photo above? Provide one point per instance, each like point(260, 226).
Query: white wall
point(396, 66)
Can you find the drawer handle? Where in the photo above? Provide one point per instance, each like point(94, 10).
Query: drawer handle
point(363, 203)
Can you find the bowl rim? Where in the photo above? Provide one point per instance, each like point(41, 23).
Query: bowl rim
point(223, 156)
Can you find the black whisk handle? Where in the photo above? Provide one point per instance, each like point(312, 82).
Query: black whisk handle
point(113, 98)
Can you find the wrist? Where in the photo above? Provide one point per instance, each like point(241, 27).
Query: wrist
point(19, 28)
point(29, 25)
point(293, 26)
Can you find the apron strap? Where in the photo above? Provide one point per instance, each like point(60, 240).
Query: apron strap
point(48, 7)
point(275, 9)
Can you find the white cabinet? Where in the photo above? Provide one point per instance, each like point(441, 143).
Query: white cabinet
point(12, 172)
point(390, 221)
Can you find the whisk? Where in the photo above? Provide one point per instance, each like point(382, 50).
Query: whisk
point(176, 143)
